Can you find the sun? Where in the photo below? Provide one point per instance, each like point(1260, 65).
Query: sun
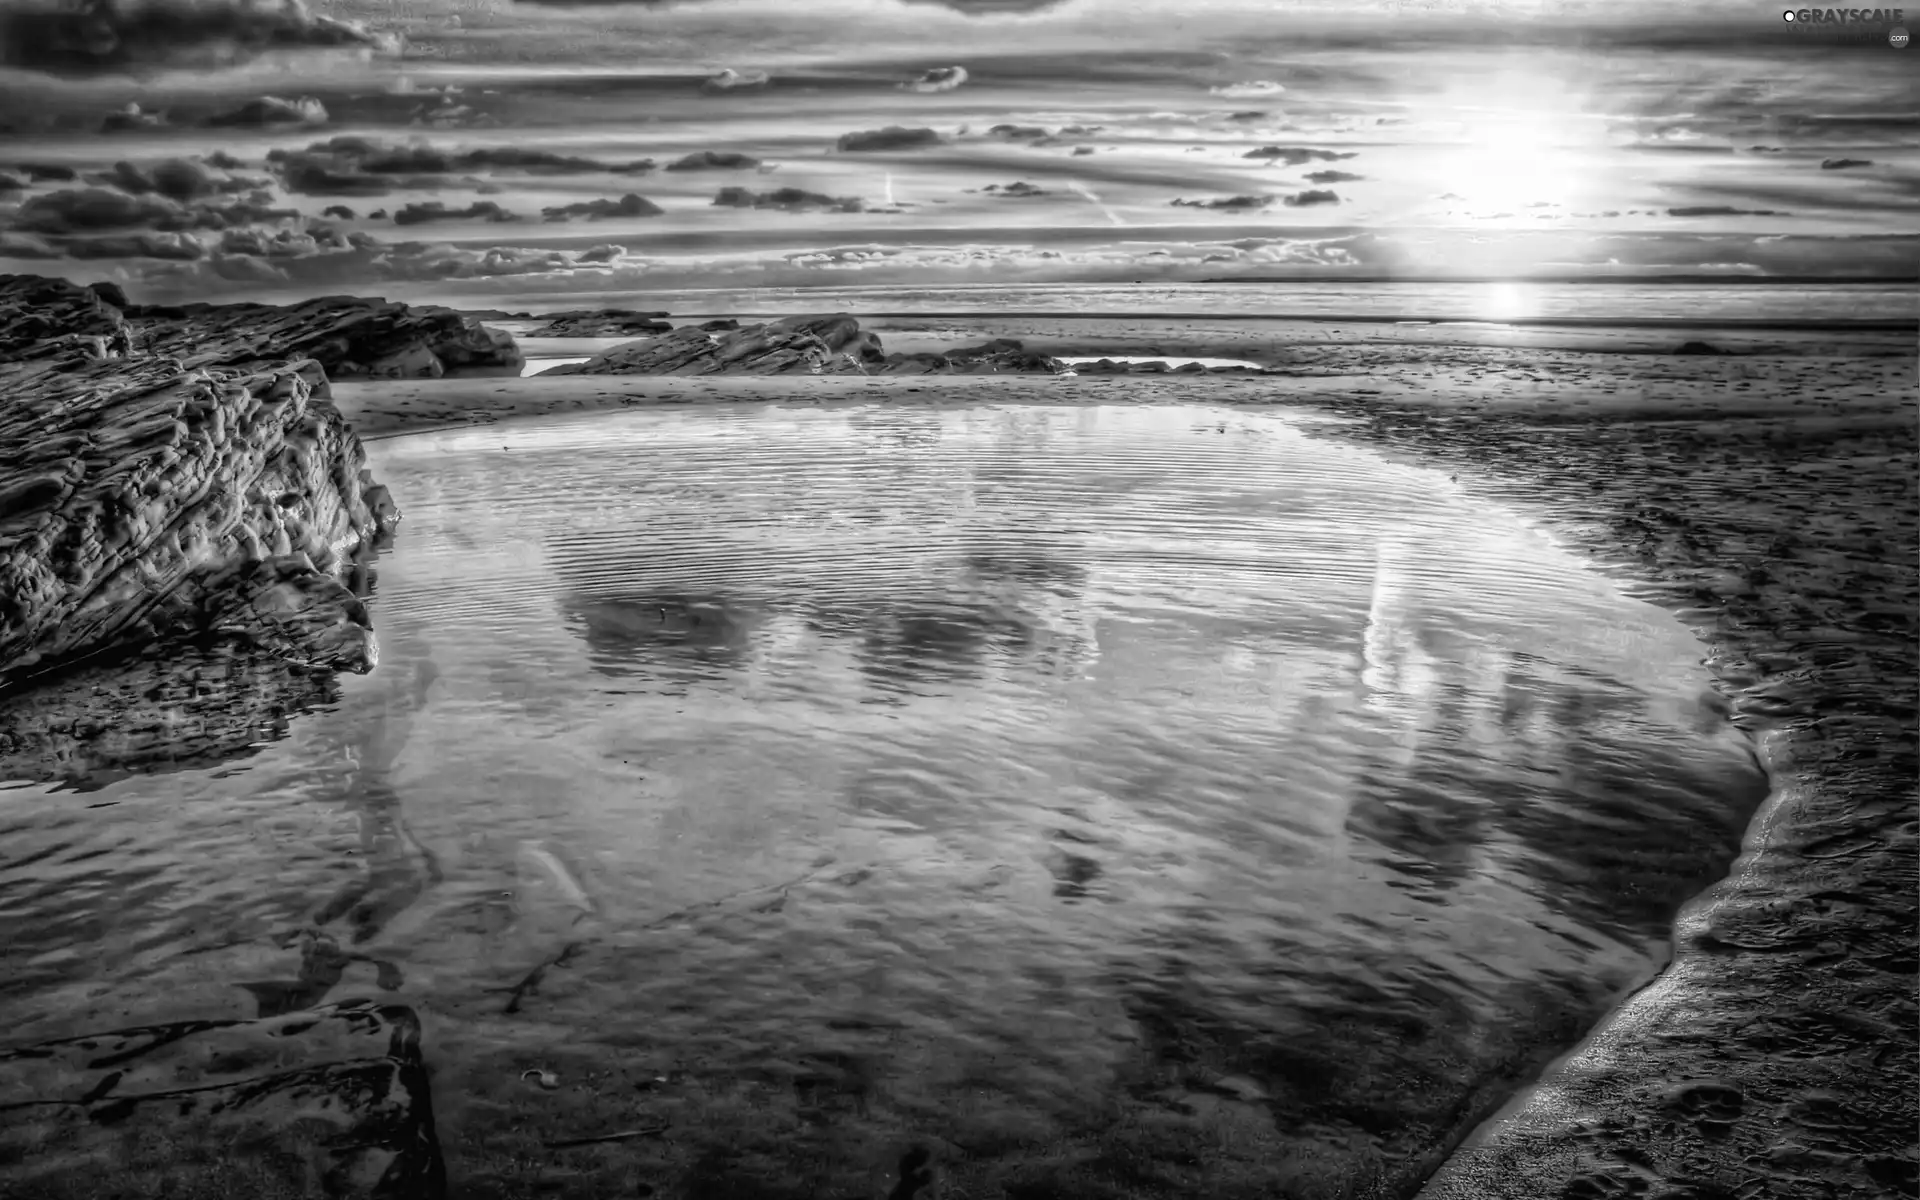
point(1518, 139)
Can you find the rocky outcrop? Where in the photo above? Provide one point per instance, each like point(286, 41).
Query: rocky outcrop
point(601, 322)
point(143, 496)
point(347, 335)
point(340, 1093)
point(815, 345)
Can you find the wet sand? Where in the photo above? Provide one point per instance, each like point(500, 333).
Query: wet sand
point(1770, 501)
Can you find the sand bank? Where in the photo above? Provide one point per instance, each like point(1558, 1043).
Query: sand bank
point(1771, 502)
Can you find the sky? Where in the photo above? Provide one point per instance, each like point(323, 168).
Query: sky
point(482, 146)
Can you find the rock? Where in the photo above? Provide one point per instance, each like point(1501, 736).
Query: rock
point(720, 324)
point(714, 160)
point(1698, 348)
point(792, 199)
point(796, 345)
point(337, 1093)
point(601, 322)
point(1001, 356)
point(892, 137)
point(348, 336)
point(823, 345)
point(144, 497)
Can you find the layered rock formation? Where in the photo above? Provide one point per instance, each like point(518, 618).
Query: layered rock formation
point(340, 1092)
point(601, 322)
point(348, 336)
point(144, 494)
point(815, 345)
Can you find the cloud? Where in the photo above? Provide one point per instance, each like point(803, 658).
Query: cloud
point(176, 179)
point(178, 247)
point(1252, 87)
point(714, 160)
point(1843, 164)
point(1293, 156)
point(434, 210)
point(629, 205)
point(99, 36)
point(936, 79)
point(1311, 196)
point(358, 166)
point(91, 209)
point(1333, 177)
point(265, 112)
point(729, 80)
point(791, 199)
point(1723, 210)
point(1231, 203)
point(892, 137)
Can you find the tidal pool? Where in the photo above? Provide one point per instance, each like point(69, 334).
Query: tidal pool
point(1107, 801)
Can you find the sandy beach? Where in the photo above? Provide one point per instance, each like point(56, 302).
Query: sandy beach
point(1769, 500)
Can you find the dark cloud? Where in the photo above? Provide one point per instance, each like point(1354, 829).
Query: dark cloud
point(131, 119)
point(434, 210)
point(791, 199)
point(1293, 156)
point(1229, 203)
point(83, 210)
point(176, 179)
point(337, 210)
point(730, 80)
point(178, 247)
point(11, 183)
point(87, 210)
point(1333, 177)
point(629, 205)
point(265, 112)
point(1019, 188)
point(1311, 196)
point(892, 137)
point(936, 79)
point(357, 166)
point(97, 36)
point(1842, 164)
point(1723, 210)
point(714, 160)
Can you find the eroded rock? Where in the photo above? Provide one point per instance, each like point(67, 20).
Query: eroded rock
point(347, 335)
point(601, 322)
point(143, 496)
point(813, 345)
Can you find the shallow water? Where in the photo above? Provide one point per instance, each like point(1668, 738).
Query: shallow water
point(1090, 794)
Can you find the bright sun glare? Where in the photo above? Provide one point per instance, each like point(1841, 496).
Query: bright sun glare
point(1521, 136)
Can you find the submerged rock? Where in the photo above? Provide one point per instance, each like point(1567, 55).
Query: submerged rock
point(813, 345)
point(144, 496)
point(337, 1093)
